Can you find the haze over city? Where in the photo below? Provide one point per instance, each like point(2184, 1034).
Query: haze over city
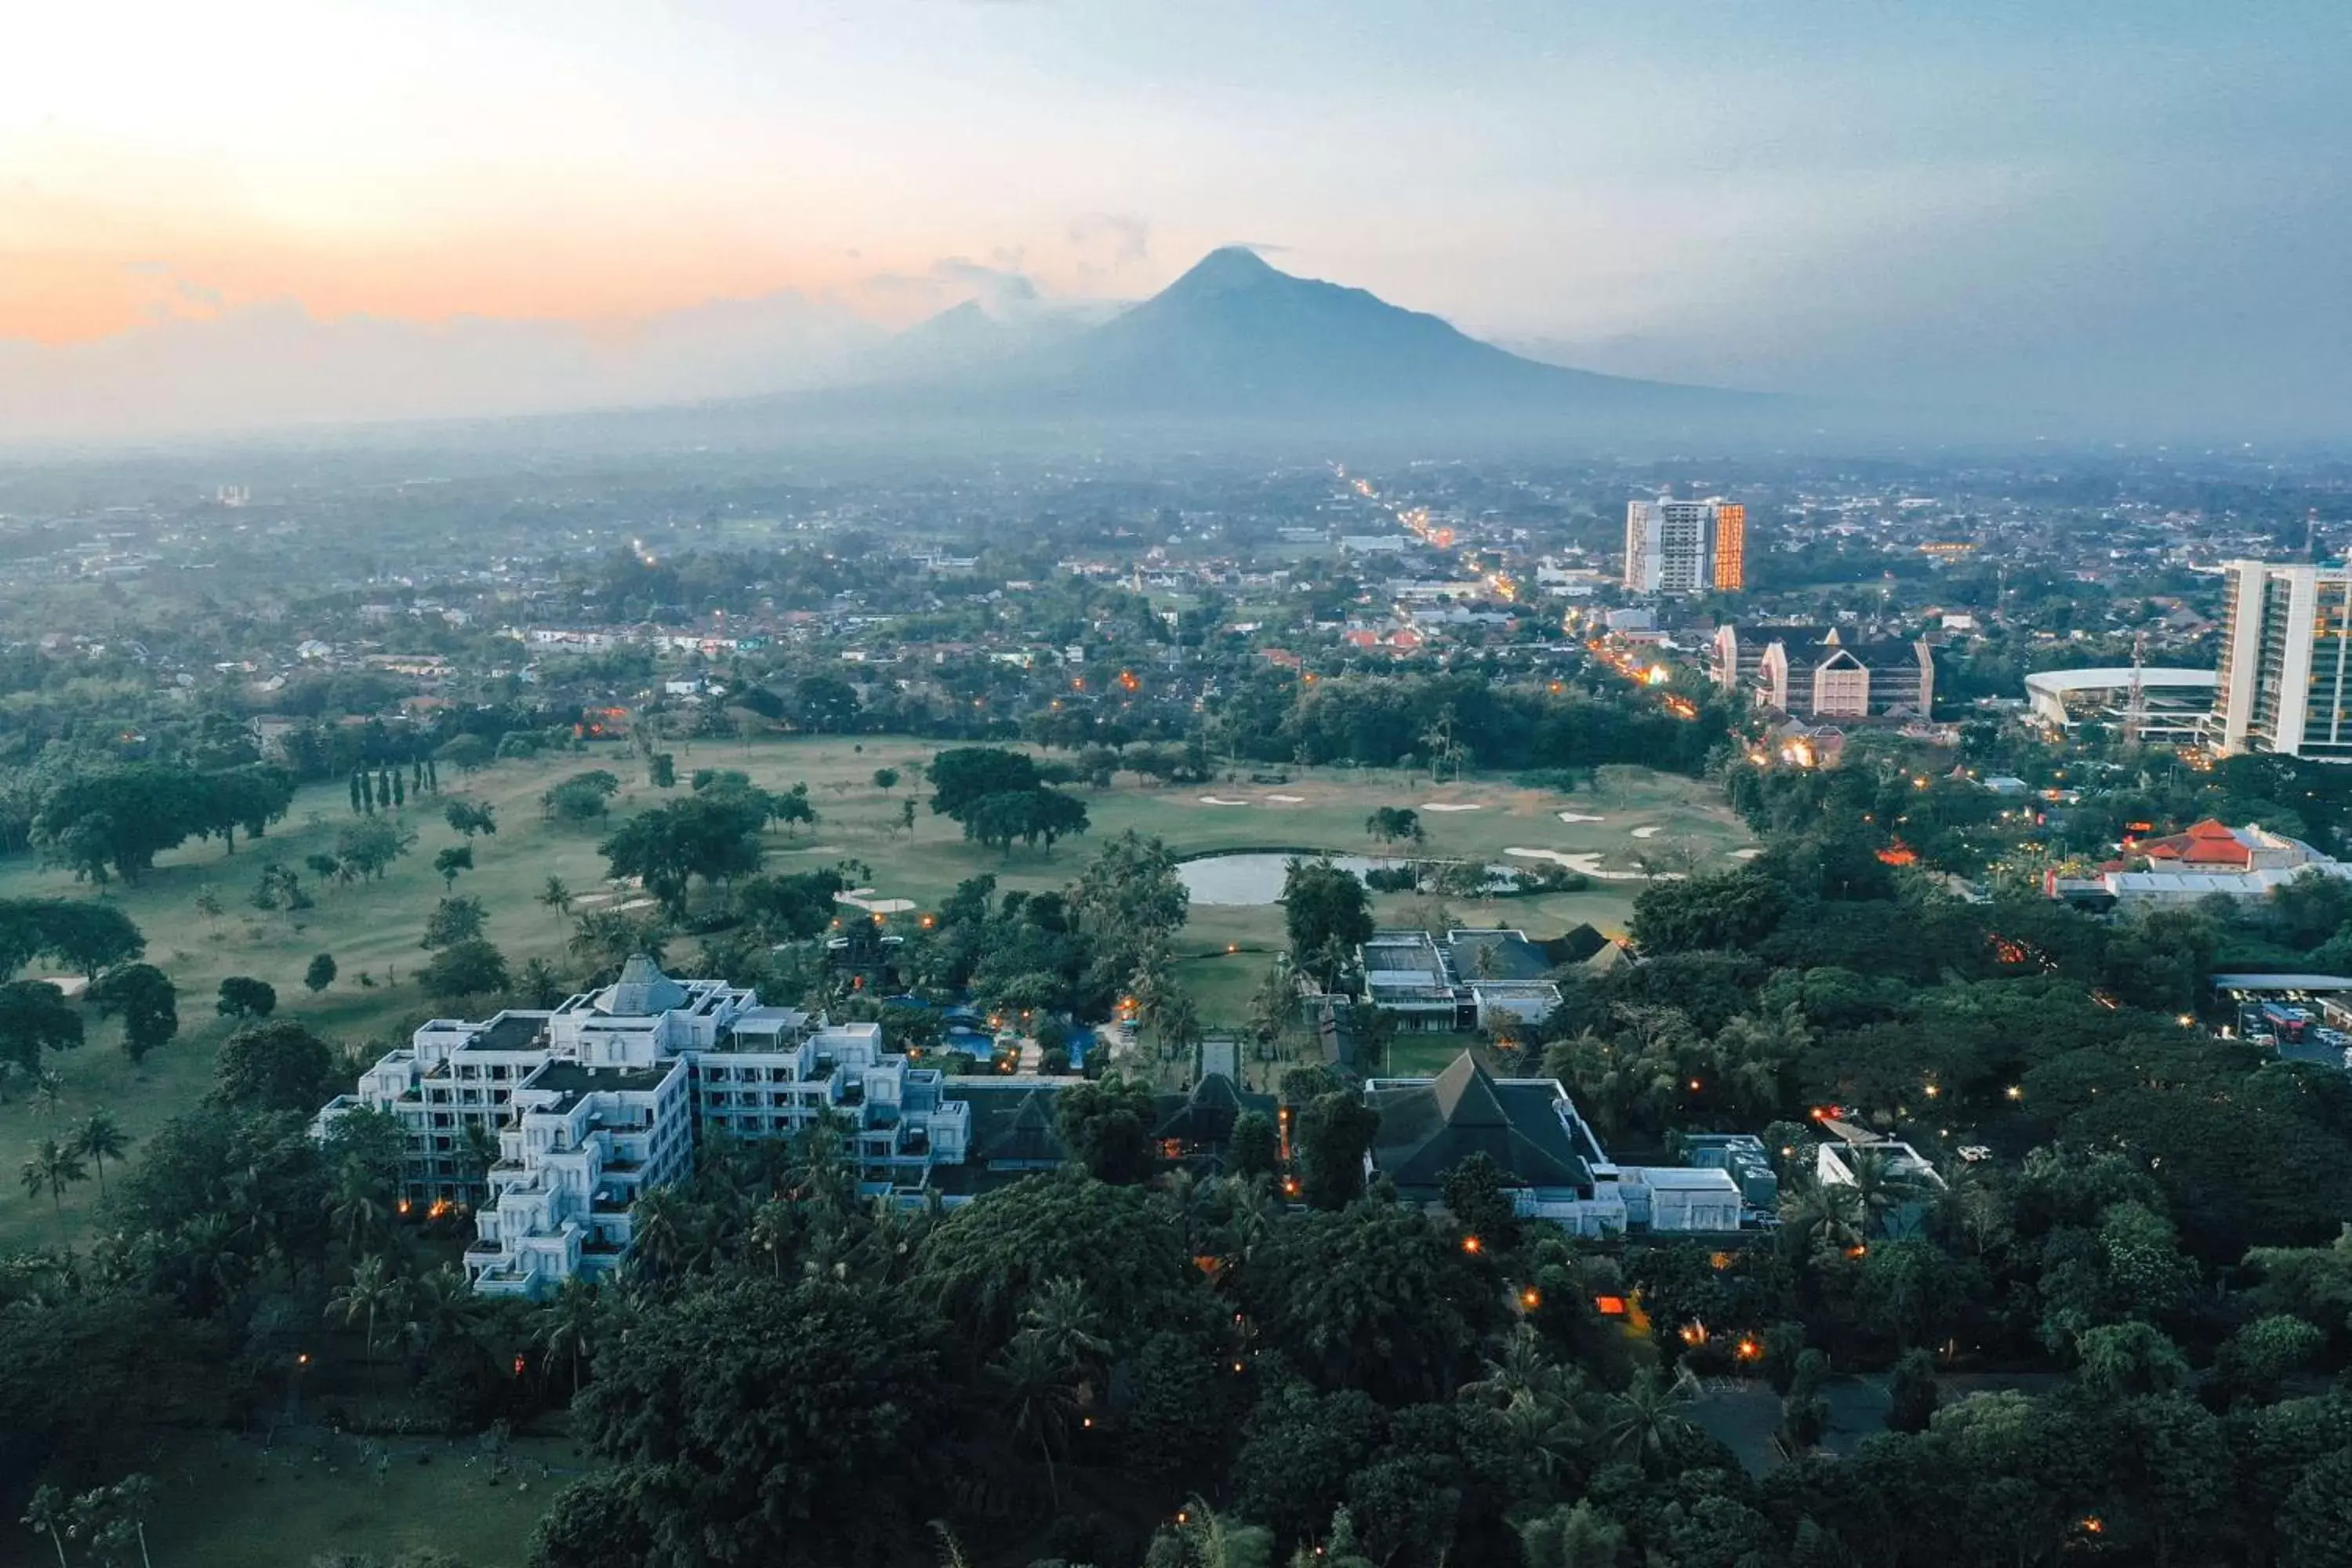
point(2128, 218)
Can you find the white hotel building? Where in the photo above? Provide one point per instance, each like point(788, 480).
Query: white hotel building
point(597, 1101)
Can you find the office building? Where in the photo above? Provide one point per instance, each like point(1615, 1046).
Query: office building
point(2286, 662)
point(1685, 546)
point(1818, 673)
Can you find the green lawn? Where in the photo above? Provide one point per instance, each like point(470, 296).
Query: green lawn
point(372, 928)
point(231, 1502)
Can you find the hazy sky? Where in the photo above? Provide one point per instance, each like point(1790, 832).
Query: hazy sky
point(479, 204)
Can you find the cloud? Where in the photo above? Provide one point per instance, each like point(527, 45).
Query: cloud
point(1124, 236)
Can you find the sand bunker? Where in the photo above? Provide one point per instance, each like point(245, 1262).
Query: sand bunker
point(635, 904)
point(1589, 864)
point(1289, 799)
point(1647, 832)
point(1448, 805)
point(1747, 854)
point(1579, 816)
point(1220, 800)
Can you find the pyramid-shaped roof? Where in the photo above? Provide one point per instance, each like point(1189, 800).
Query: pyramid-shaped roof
point(1426, 1130)
point(642, 991)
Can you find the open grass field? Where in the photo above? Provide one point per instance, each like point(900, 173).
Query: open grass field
point(231, 1502)
point(371, 928)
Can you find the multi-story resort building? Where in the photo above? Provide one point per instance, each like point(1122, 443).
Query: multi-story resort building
point(598, 1100)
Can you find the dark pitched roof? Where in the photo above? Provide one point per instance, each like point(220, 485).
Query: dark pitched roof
point(1426, 1130)
point(1206, 1116)
point(1011, 1124)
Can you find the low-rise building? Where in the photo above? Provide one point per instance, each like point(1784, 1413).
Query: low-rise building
point(1552, 1163)
point(1483, 978)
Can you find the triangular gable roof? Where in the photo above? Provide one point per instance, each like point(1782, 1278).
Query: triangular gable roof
point(1426, 1130)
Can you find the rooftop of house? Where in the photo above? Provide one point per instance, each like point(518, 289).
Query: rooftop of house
point(1207, 1114)
point(1430, 1126)
point(1496, 955)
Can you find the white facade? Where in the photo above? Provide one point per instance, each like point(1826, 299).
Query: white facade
point(603, 1098)
point(1685, 546)
point(2286, 680)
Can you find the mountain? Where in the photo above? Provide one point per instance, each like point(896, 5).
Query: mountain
point(1237, 339)
point(1234, 354)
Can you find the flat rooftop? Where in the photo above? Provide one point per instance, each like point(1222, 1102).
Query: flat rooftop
point(572, 1079)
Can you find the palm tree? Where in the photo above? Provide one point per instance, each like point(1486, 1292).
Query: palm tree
point(1064, 1318)
point(569, 1324)
point(52, 1165)
point(656, 1239)
point(50, 1514)
point(210, 1267)
point(773, 1226)
point(1647, 1417)
point(556, 895)
point(1524, 1369)
point(357, 1205)
point(371, 1290)
point(1035, 1388)
point(1817, 1215)
point(49, 1091)
point(439, 1307)
point(1546, 1428)
point(1217, 1542)
point(100, 1138)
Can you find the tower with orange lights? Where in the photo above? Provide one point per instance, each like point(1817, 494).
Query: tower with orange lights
point(1685, 546)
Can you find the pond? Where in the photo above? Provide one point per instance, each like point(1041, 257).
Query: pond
point(1252, 879)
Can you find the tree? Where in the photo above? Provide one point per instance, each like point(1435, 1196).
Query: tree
point(466, 754)
point(145, 1000)
point(661, 771)
point(556, 895)
point(276, 1065)
point(713, 835)
point(569, 1323)
point(1644, 1422)
point(53, 1166)
point(469, 968)
point(584, 797)
point(1580, 1536)
point(1912, 1392)
point(822, 1478)
point(469, 819)
point(454, 920)
point(319, 972)
point(1106, 1128)
point(1392, 823)
point(98, 1137)
point(886, 779)
point(1255, 1145)
point(1335, 1132)
point(967, 774)
point(87, 936)
point(1734, 909)
point(242, 997)
point(371, 1293)
point(369, 846)
point(1327, 912)
point(34, 1017)
point(448, 862)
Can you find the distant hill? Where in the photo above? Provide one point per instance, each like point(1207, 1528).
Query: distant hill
point(1237, 336)
point(1236, 346)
